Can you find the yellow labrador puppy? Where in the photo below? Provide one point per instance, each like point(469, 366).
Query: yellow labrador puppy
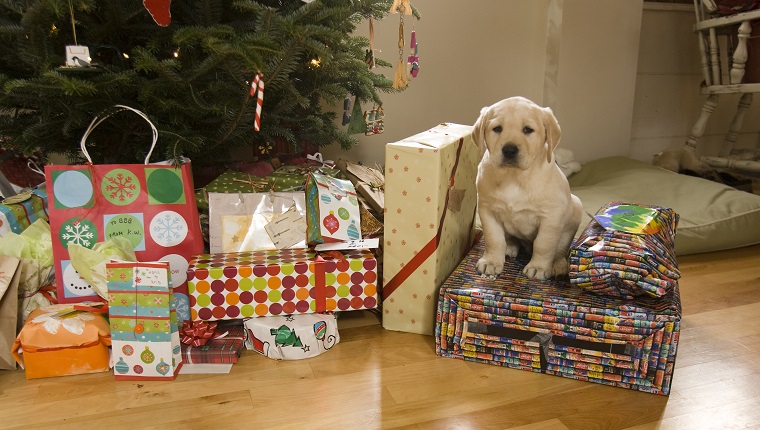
point(523, 197)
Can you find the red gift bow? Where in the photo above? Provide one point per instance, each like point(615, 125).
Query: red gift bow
point(197, 333)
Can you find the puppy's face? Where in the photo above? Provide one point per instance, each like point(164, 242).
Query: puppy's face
point(517, 133)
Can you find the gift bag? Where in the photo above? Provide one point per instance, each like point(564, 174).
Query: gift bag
point(9, 277)
point(332, 210)
point(144, 330)
point(242, 222)
point(152, 205)
point(292, 337)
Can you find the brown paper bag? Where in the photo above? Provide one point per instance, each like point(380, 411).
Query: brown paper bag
point(9, 278)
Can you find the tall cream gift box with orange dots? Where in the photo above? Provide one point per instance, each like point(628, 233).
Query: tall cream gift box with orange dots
point(430, 203)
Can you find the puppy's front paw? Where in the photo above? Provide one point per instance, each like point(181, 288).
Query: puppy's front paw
point(535, 271)
point(561, 266)
point(489, 268)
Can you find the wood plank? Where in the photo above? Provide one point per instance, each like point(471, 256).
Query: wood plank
point(380, 379)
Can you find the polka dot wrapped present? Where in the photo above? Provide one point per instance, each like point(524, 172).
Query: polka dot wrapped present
point(239, 285)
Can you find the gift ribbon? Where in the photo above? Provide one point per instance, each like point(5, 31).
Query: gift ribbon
point(431, 246)
point(198, 333)
point(320, 290)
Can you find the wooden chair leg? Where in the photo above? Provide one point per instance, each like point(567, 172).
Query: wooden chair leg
point(736, 125)
point(699, 127)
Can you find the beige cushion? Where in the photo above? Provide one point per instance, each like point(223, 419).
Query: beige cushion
point(712, 216)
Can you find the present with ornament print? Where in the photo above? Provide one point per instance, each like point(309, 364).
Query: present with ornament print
point(59, 340)
point(332, 210)
point(152, 205)
point(144, 329)
point(430, 203)
point(239, 285)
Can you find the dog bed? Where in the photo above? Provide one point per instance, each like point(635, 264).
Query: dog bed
point(713, 216)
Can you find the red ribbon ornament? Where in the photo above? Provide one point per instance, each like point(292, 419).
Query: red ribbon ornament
point(197, 333)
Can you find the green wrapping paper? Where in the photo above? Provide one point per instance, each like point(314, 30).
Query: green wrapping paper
point(555, 328)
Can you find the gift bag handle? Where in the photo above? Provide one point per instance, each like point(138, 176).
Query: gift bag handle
point(97, 120)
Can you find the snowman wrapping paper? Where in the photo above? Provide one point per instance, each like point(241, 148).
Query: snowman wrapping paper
point(292, 337)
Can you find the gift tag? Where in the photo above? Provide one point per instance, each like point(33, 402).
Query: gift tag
point(351, 244)
point(287, 229)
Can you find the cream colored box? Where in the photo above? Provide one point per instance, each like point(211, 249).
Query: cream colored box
point(430, 202)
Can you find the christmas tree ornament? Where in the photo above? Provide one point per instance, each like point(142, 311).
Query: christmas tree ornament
point(399, 78)
point(413, 61)
point(76, 55)
point(403, 6)
point(373, 120)
point(257, 90)
point(346, 107)
point(160, 11)
point(357, 124)
point(369, 56)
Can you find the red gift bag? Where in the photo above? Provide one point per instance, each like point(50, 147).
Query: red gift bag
point(152, 205)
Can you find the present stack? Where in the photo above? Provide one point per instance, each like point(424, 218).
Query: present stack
point(555, 328)
point(627, 250)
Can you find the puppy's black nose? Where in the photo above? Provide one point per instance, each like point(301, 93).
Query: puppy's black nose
point(509, 151)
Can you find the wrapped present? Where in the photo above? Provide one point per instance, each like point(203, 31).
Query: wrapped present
point(293, 177)
point(9, 277)
point(430, 204)
point(555, 328)
point(144, 327)
point(238, 285)
point(292, 337)
point(20, 211)
point(211, 342)
point(332, 210)
point(60, 340)
point(243, 221)
point(231, 181)
point(627, 250)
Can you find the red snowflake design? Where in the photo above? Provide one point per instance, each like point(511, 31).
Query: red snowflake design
point(418, 225)
point(403, 242)
point(414, 321)
point(428, 199)
point(394, 231)
point(120, 186)
point(395, 156)
point(425, 272)
point(138, 279)
point(403, 193)
point(414, 296)
point(428, 297)
point(419, 179)
point(432, 225)
point(158, 300)
point(393, 300)
point(398, 211)
point(123, 276)
point(156, 325)
point(406, 168)
point(401, 311)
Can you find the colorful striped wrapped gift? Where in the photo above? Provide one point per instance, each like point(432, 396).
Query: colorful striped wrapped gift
point(556, 328)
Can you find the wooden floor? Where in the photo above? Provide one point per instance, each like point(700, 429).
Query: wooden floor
point(381, 379)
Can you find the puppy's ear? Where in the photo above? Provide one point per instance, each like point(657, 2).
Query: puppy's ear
point(553, 132)
point(479, 130)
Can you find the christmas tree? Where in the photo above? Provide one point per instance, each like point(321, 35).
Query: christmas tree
point(190, 67)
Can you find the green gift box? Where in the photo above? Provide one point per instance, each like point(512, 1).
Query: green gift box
point(231, 181)
point(293, 178)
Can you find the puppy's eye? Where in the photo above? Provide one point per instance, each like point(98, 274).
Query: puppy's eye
point(497, 129)
point(527, 130)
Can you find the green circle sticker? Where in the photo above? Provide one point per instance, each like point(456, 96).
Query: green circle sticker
point(120, 187)
point(128, 226)
point(165, 186)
